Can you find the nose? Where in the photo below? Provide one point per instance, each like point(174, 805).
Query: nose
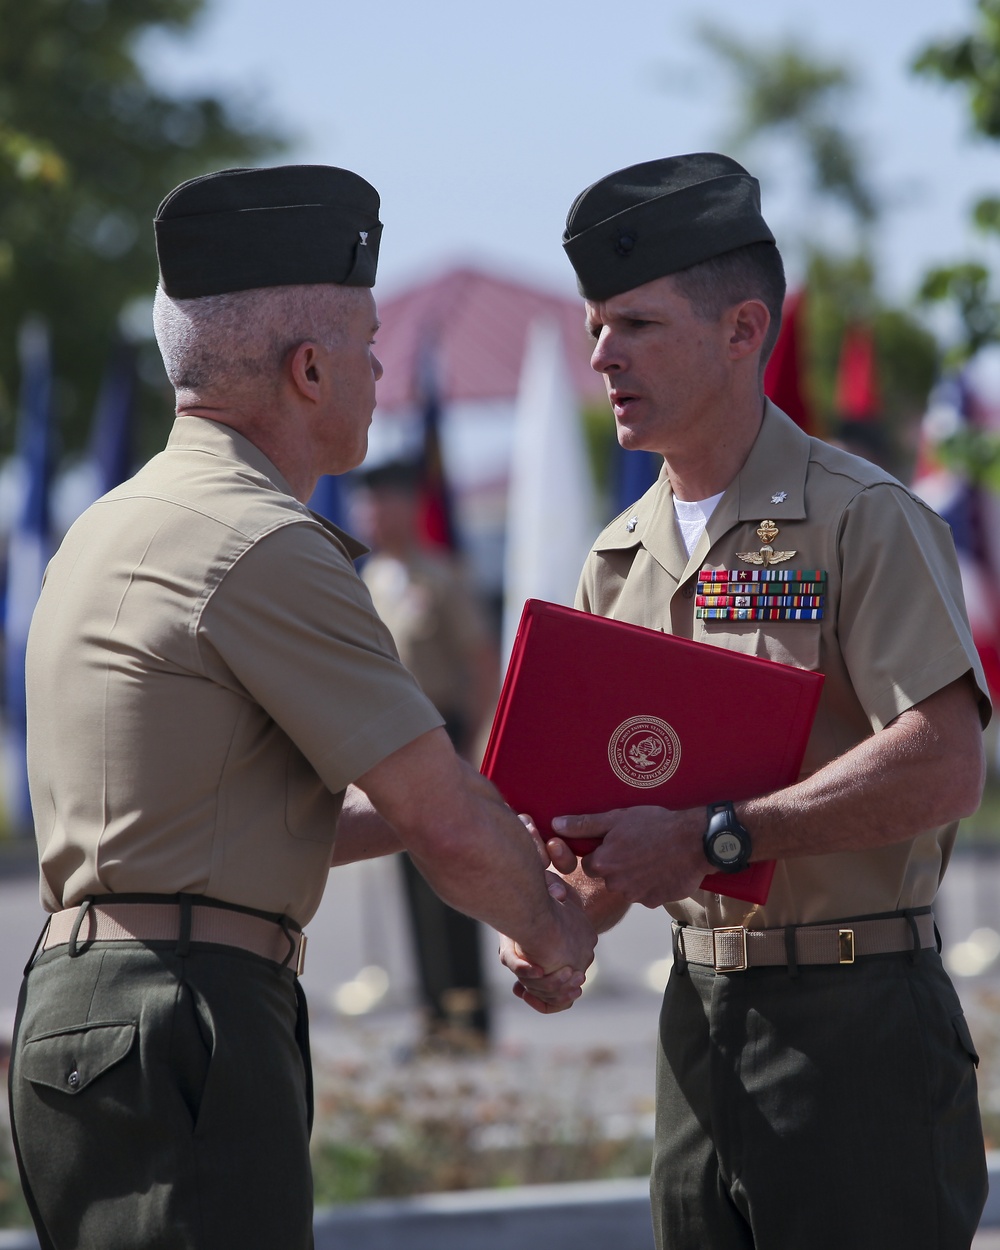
point(605, 355)
point(377, 369)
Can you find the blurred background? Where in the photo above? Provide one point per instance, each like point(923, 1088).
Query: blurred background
point(875, 133)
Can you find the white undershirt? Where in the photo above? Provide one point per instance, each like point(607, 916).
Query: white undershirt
point(692, 517)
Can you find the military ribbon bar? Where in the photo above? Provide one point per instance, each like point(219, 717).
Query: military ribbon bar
point(761, 594)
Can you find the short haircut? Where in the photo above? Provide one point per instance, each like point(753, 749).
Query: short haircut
point(242, 337)
point(754, 271)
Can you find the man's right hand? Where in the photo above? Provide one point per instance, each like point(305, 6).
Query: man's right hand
point(559, 988)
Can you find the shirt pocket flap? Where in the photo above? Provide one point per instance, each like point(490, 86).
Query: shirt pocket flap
point(69, 1060)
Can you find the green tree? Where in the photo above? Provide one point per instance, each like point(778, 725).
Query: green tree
point(88, 147)
point(972, 61)
point(788, 91)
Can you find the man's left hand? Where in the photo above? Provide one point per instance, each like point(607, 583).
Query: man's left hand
point(648, 855)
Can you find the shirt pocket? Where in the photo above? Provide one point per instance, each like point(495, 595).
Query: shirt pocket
point(69, 1060)
point(785, 642)
point(311, 810)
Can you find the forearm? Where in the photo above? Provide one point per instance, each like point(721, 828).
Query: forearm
point(361, 832)
point(473, 850)
point(924, 769)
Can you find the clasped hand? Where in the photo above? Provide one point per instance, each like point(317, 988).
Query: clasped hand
point(647, 855)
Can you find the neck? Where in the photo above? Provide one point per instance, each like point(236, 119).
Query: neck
point(270, 434)
point(707, 468)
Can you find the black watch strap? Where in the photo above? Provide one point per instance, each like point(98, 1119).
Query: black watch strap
point(727, 843)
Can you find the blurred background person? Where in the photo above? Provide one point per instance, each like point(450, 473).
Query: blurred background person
point(445, 640)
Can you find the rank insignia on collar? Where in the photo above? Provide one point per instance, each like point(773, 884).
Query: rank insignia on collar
point(767, 532)
point(779, 496)
point(631, 523)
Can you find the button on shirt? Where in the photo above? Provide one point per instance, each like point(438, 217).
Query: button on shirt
point(894, 631)
point(205, 676)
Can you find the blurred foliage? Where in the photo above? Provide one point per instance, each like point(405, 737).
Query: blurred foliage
point(88, 148)
point(971, 61)
point(384, 1130)
point(842, 291)
point(786, 92)
point(786, 89)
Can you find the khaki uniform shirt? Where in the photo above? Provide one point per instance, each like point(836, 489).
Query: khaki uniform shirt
point(205, 676)
point(894, 632)
point(435, 623)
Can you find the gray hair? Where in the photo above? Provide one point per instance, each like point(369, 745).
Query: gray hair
point(242, 337)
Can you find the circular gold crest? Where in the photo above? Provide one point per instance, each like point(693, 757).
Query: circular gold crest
point(644, 751)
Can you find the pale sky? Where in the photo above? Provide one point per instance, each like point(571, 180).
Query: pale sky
point(479, 123)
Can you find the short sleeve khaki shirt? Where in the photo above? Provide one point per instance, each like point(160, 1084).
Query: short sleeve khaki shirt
point(205, 675)
point(894, 631)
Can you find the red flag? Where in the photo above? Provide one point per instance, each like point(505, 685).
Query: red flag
point(858, 397)
point(783, 380)
point(970, 509)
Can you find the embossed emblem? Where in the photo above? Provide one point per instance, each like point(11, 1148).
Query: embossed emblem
point(364, 237)
point(644, 751)
point(767, 532)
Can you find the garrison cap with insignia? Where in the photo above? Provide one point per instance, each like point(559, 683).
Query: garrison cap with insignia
point(287, 226)
point(653, 219)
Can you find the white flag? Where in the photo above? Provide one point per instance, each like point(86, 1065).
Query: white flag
point(551, 503)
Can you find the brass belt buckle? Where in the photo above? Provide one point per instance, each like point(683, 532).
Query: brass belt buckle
point(741, 950)
point(845, 946)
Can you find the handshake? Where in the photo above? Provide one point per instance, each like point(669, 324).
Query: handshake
point(647, 855)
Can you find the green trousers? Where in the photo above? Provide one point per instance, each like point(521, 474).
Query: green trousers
point(831, 1110)
point(161, 1101)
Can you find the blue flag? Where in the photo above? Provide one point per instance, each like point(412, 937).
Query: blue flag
point(28, 551)
point(632, 474)
point(110, 450)
point(328, 499)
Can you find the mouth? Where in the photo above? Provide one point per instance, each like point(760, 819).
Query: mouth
point(621, 402)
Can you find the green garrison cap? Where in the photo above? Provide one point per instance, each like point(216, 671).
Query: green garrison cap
point(653, 219)
point(287, 226)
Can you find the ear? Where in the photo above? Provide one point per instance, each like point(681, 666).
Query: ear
point(304, 370)
point(749, 325)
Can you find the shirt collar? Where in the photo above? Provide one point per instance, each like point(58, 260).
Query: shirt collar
point(218, 439)
point(772, 483)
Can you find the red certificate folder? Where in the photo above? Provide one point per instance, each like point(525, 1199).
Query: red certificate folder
point(597, 714)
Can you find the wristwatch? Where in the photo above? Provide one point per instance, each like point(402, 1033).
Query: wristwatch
point(727, 843)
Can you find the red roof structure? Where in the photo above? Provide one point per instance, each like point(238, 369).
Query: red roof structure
point(476, 326)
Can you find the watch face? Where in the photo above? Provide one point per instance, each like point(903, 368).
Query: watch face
point(727, 847)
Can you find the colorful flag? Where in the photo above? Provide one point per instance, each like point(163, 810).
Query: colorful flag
point(110, 450)
point(437, 512)
point(972, 511)
point(632, 474)
point(28, 551)
point(551, 508)
point(784, 374)
point(328, 499)
point(858, 396)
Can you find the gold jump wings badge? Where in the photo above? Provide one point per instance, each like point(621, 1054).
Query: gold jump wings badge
point(767, 532)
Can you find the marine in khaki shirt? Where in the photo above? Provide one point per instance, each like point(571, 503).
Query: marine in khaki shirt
point(215, 715)
point(892, 633)
point(815, 1081)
